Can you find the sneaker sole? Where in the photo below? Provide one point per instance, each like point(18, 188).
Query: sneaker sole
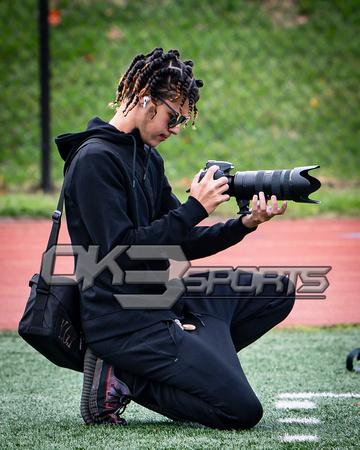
point(93, 402)
point(89, 369)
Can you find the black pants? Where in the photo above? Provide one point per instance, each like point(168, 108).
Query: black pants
point(196, 375)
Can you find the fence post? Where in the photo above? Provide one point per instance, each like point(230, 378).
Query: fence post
point(46, 184)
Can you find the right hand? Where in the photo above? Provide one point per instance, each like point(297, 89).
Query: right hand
point(210, 192)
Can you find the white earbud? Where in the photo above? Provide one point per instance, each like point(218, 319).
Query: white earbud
point(146, 99)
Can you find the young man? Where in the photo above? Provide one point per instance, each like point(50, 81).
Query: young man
point(181, 360)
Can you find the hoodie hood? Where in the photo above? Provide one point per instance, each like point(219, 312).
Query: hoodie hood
point(69, 142)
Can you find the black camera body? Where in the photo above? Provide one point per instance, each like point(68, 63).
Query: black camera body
point(295, 184)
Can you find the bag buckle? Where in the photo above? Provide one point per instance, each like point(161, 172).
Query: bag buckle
point(42, 291)
point(56, 216)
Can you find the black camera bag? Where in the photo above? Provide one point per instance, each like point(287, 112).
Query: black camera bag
point(51, 321)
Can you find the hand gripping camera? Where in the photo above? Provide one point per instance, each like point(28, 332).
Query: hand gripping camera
point(295, 184)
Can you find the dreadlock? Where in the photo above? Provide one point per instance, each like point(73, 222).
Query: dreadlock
point(159, 74)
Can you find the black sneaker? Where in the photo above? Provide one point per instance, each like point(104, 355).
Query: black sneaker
point(104, 397)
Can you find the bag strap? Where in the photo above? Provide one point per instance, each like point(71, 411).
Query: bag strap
point(56, 219)
point(57, 214)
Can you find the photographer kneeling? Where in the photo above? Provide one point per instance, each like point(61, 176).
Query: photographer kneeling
point(181, 361)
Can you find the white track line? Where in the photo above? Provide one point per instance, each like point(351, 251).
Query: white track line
point(295, 404)
point(307, 421)
point(310, 395)
point(299, 438)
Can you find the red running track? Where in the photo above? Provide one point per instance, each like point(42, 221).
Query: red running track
point(280, 242)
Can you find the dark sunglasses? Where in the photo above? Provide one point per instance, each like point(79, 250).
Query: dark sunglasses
point(177, 120)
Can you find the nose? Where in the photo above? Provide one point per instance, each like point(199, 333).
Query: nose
point(174, 130)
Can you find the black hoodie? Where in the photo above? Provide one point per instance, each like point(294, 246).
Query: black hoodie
point(110, 202)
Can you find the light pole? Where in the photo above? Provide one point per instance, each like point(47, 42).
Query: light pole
point(46, 184)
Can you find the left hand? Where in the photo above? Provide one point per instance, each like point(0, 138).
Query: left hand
point(262, 212)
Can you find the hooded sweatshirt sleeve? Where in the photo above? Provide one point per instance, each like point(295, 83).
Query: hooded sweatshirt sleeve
point(204, 241)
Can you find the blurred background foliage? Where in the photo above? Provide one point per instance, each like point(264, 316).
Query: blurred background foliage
point(281, 86)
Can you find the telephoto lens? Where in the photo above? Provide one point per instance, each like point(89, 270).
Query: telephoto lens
point(296, 184)
point(287, 184)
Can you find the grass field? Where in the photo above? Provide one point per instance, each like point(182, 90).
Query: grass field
point(281, 90)
point(40, 402)
point(281, 86)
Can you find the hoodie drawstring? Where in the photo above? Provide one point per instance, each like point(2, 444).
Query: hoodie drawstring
point(134, 162)
point(146, 166)
point(147, 160)
point(196, 316)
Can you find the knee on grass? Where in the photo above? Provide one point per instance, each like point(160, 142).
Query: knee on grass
point(243, 416)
